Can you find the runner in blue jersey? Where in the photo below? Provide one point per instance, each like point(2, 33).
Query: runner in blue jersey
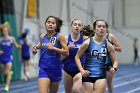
point(95, 49)
point(26, 44)
point(114, 41)
point(72, 75)
point(6, 47)
point(52, 45)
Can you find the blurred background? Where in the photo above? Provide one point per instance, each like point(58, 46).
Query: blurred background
point(123, 17)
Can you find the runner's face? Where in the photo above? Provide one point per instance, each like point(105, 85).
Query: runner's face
point(100, 28)
point(51, 24)
point(77, 26)
point(5, 31)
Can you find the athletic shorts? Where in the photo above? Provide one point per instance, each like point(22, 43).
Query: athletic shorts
point(4, 60)
point(55, 75)
point(25, 57)
point(92, 79)
point(72, 73)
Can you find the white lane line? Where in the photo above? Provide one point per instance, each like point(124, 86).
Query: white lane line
point(121, 76)
point(28, 88)
point(21, 85)
point(24, 86)
point(127, 82)
point(34, 92)
point(134, 90)
point(24, 89)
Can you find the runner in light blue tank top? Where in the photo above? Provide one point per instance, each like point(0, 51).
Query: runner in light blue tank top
point(96, 49)
point(108, 59)
point(96, 58)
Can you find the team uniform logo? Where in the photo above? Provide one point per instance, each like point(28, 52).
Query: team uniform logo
point(52, 40)
point(6, 43)
point(99, 55)
point(75, 45)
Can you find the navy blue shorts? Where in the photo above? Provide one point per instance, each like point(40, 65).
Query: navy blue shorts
point(25, 57)
point(55, 75)
point(72, 73)
point(5, 60)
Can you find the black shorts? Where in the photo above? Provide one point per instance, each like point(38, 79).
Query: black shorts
point(26, 57)
point(92, 79)
point(72, 73)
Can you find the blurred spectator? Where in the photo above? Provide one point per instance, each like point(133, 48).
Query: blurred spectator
point(136, 55)
point(25, 54)
point(6, 47)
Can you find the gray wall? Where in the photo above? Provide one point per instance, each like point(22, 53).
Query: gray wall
point(127, 13)
point(125, 17)
point(19, 4)
point(126, 38)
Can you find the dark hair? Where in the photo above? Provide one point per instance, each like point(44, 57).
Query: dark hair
point(58, 21)
point(23, 35)
point(94, 24)
point(87, 31)
point(59, 25)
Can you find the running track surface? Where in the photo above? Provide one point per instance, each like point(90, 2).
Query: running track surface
point(126, 80)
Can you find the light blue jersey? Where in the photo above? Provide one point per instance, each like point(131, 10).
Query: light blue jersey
point(96, 58)
point(108, 59)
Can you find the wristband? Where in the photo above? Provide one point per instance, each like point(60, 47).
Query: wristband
point(35, 47)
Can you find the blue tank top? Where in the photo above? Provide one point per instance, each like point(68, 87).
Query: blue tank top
point(7, 47)
point(50, 58)
point(25, 49)
point(108, 59)
point(69, 62)
point(96, 58)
